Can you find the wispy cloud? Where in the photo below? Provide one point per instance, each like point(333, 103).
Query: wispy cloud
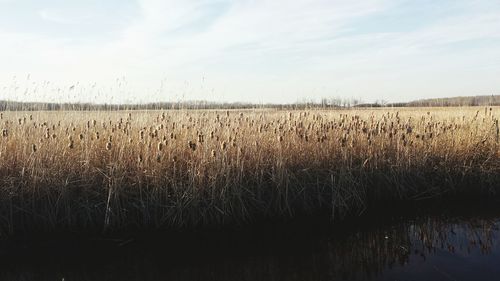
point(267, 47)
point(62, 17)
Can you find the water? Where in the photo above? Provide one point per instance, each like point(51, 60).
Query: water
point(427, 248)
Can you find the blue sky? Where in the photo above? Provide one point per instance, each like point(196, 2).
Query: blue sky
point(247, 50)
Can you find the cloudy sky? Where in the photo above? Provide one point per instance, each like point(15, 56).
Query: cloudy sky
point(247, 50)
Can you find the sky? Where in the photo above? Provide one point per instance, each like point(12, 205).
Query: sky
point(260, 51)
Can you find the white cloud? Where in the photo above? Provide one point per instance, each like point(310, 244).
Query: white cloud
point(62, 17)
point(265, 47)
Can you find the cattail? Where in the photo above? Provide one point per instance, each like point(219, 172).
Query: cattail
point(223, 145)
point(33, 148)
point(192, 145)
point(158, 157)
point(160, 146)
point(71, 144)
point(139, 158)
point(498, 131)
point(5, 133)
point(108, 146)
point(214, 154)
point(80, 136)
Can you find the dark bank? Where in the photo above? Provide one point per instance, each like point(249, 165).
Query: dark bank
point(414, 241)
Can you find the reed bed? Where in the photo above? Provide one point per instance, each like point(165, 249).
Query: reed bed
point(105, 171)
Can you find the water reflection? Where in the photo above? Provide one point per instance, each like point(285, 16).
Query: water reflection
point(433, 248)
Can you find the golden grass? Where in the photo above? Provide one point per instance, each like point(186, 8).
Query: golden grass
point(189, 168)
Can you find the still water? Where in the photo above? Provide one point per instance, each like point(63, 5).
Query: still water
point(433, 247)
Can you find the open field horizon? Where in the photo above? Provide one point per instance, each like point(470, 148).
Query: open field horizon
point(323, 103)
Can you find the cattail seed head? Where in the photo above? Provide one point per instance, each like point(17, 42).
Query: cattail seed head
point(33, 148)
point(192, 145)
point(108, 146)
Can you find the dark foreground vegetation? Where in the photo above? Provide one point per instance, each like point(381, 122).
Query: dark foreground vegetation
point(427, 242)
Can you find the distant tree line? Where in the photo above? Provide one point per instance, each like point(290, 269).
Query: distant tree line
point(338, 103)
point(304, 104)
point(493, 100)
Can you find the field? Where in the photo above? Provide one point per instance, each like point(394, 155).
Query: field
point(112, 170)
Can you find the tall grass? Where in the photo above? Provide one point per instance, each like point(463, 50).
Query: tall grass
point(112, 170)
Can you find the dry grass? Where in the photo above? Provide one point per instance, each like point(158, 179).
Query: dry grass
point(110, 170)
